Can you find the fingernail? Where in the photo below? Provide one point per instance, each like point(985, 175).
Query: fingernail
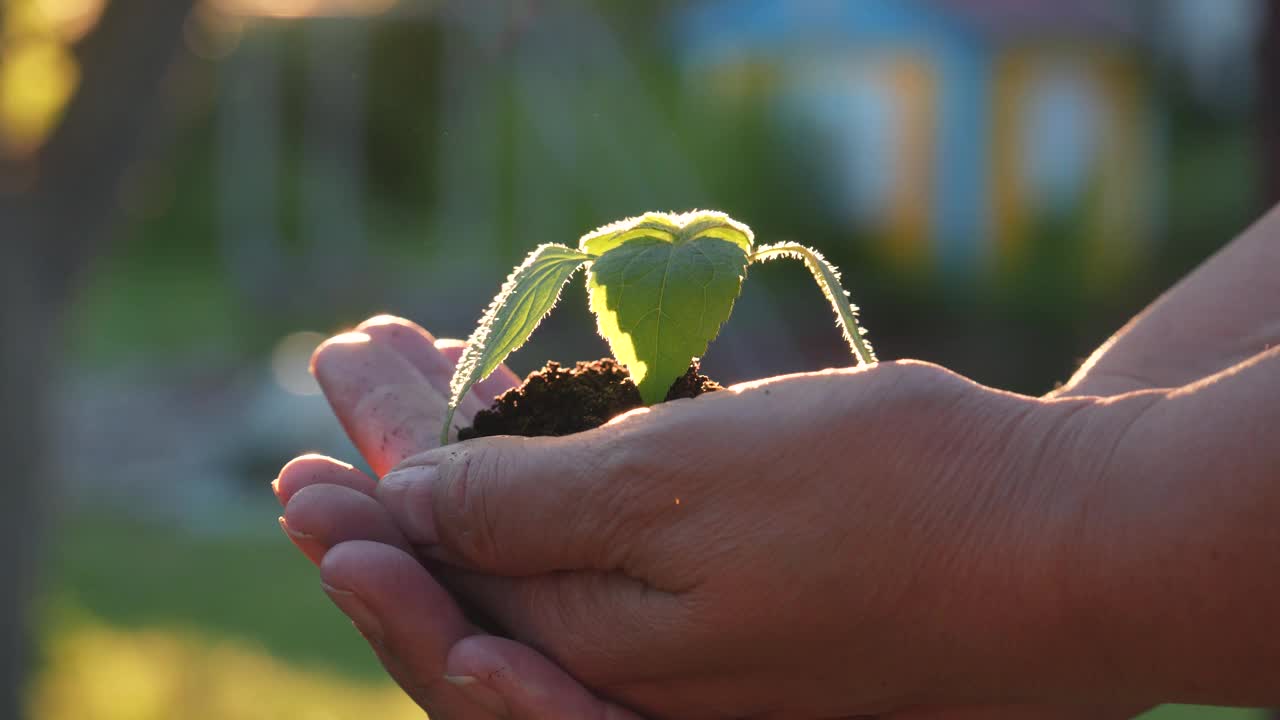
point(295, 534)
point(309, 546)
point(479, 694)
point(351, 605)
point(275, 487)
point(407, 496)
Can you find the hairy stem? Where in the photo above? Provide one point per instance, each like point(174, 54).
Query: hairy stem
point(828, 278)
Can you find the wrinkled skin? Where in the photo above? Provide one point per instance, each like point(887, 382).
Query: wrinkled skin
point(679, 509)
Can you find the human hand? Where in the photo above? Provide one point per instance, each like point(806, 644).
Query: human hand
point(390, 413)
point(385, 382)
point(817, 545)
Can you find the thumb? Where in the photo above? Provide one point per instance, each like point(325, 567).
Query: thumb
point(517, 506)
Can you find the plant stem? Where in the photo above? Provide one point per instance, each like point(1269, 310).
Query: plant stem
point(828, 278)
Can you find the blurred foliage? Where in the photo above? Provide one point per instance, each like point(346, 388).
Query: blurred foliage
point(258, 589)
point(97, 672)
point(164, 287)
point(145, 622)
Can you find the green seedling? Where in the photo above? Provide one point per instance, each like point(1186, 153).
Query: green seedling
point(660, 285)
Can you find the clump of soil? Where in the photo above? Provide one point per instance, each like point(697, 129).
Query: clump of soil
point(556, 401)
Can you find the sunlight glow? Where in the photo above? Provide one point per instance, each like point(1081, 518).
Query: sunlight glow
point(355, 337)
point(347, 338)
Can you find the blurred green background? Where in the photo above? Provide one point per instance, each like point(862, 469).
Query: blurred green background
point(210, 188)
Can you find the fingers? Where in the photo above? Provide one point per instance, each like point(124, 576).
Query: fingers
point(598, 625)
point(527, 684)
point(416, 345)
point(324, 518)
point(387, 407)
point(523, 506)
point(422, 638)
point(408, 619)
point(318, 470)
point(388, 383)
point(318, 517)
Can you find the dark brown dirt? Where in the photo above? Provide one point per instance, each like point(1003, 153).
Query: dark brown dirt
point(556, 401)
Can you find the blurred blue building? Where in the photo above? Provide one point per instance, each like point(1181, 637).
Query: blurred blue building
point(956, 130)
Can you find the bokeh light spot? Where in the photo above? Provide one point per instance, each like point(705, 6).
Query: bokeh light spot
point(72, 19)
point(37, 78)
point(290, 362)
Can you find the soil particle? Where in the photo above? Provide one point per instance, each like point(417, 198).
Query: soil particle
point(559, 401)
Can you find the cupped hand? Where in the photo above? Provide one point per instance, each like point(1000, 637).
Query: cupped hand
point(820, 545)
point(375, 381)
point(386, 383)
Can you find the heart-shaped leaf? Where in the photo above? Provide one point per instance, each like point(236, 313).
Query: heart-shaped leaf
point(661, 288)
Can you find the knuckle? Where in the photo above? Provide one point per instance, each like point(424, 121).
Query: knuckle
point(622, 496)
point(465, 504)
point(910, 375)
point(915, 388)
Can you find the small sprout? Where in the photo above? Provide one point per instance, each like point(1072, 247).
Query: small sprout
point(660, 285)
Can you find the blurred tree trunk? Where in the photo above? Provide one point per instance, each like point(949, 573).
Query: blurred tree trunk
point(1269, 96)
point(56, 210)
point(23, 494)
